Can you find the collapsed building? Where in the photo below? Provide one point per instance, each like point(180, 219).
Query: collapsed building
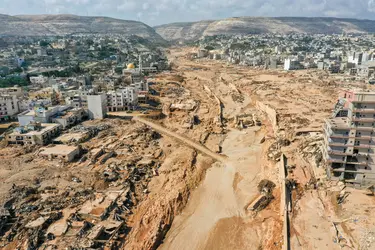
point(349, 143)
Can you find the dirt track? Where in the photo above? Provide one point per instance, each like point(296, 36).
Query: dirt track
point(182, 139)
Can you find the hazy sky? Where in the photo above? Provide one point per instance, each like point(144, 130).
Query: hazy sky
point(164, 11)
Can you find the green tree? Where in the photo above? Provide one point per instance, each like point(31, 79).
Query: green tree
point(89, 42)
point(43, 43)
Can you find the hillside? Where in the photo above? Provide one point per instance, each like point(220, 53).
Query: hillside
point(256, 25)
point(40, 25)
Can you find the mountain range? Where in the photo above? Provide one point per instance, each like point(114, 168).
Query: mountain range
point(45, 25)
point(42, 25)
point(257, 25)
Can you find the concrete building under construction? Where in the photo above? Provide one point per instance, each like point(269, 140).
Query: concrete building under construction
point(349, 138)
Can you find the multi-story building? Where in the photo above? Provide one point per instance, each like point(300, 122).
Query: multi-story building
point(38, 80)
point(122, 99)
point(8, 107)
point(34, 134)
point(41, 114)
point(350, 140)
point(17, 91)
point(355, 57)
point(291, 64)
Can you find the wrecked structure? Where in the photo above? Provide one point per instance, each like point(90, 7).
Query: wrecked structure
point(349, 142)
point(63, 152)
point(34, 134)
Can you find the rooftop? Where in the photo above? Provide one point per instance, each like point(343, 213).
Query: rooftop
point(45, 127)
point(58, 150)
point(69, 137)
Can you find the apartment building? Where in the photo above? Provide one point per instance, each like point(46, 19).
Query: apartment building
point(38, 80)
point(17, 91)
point(41, 114)
point(122, 99)
point(8, 107)
point(34, 134)
point(349, 138)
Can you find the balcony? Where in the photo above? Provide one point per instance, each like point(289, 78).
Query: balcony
point(336, 152)
point(342, 170)
point(359, 163)
point(332, 160)
point(362, 146)
point(361, 119)
point(338, 144)
point(367, 111)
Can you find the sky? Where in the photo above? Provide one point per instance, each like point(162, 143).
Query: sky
point(159, 12)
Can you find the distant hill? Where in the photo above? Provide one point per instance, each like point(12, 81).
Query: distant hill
point(40, 25)
point(256, 25)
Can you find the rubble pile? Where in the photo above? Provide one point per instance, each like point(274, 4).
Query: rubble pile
point(93, 130)
point(311, 148)
point(274, 151)
point(93, 207)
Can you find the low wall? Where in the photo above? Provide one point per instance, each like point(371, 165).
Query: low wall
point(285, 202)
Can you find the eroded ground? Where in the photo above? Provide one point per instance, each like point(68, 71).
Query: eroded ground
point(151, 190)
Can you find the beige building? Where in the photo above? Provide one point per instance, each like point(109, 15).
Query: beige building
point(349, 138)
point(8, 107)
point(62, 152)
point(17, 91)
point(34, 134)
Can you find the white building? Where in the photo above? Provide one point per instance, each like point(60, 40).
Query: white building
point(38, 80)
point(8, 107)
point(278, 49)
point(97, 106)
point(291, 64)
point(122, 99)
point(355, 57)
point(40, 114)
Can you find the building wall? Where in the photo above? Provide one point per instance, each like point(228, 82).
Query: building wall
point(41, 138)
point(350, 146)
point(8, 106)
point(97, 106)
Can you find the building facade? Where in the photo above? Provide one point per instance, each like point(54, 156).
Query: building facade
point(8, 107)
point(122, 99)
point(349, 138)
point(97, 106)
point(34, 134)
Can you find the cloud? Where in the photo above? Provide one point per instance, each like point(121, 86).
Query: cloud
point(164, 11)
point(371, 5)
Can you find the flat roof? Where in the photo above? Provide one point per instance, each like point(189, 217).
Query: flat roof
point(58, 150)
point(30, 113)
point(45, 127)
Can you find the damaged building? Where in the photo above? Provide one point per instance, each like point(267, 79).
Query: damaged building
point(349, 143)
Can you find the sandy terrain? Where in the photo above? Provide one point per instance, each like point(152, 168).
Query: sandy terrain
point(207, 157)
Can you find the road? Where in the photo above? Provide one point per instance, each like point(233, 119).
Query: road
point(181, 138)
